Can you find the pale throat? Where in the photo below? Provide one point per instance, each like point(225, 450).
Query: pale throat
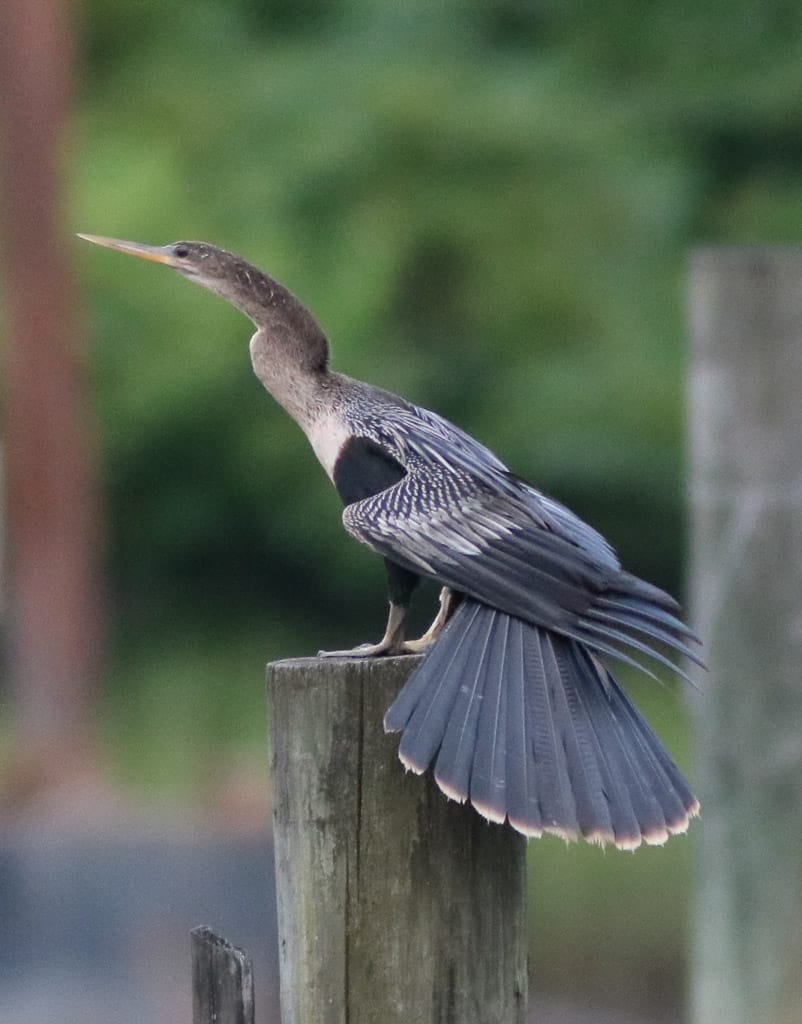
point(305, 396)
point(327, 435)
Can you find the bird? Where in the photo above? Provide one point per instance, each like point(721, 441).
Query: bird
point(514, 705)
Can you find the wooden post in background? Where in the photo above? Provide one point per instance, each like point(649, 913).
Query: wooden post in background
point(394, 904)
point(746, 494)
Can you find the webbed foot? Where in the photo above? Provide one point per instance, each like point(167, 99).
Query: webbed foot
point(381, 649)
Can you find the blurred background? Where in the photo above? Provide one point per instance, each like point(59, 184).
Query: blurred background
point(488, 206)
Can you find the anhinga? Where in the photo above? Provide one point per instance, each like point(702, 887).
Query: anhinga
point(514, 702)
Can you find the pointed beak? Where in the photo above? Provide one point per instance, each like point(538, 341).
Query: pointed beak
point(155, 253)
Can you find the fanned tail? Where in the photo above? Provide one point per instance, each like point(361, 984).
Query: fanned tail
point(533, 729)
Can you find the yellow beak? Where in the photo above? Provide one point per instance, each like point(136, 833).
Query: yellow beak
point(155, 253)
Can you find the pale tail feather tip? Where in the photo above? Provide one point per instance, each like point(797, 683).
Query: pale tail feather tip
point(450, 791)
point(489, 813)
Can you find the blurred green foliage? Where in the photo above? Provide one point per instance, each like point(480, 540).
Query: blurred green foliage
point(488, 205)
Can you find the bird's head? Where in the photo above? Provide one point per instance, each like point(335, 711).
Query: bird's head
point(219, 271)
point(266, 302)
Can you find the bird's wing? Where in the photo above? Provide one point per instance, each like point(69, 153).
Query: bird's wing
point(460, 517)
point(440, 444)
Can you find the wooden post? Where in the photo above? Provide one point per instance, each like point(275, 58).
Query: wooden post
point(394, 904)
point(222, 981)
point(746, 494)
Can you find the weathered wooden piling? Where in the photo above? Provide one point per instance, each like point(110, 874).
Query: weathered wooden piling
point(746, 497)
point(394, 904)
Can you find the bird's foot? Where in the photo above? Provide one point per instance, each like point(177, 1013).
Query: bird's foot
point(391, 643)
point(383, 648)
point(419, 646)
point(448, 603)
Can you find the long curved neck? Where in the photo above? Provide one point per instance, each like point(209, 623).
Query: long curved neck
point(291, 361)
point(289, 352)
point(271, 307)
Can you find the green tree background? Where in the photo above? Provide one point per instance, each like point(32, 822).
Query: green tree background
point(488, 205)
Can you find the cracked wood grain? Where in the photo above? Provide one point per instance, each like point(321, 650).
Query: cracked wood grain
point(394, 904)
point(222, 981)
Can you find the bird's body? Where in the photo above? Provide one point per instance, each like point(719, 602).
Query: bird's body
point(513, 703)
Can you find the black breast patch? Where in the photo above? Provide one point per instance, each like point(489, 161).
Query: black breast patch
point(363, 468)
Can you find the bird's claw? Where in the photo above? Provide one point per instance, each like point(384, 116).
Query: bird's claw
point(380, 650)
point(363, 651)
point(393, 643)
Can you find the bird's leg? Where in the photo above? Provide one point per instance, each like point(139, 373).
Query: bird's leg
point(401, 584)
point(391, 643)
point(448, 602)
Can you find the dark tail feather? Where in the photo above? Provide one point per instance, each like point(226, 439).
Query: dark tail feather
point(426, 703)
point(489, 763)
point(523, 805)
point(532, 728)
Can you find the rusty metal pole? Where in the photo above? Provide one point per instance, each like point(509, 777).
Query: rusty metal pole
point(52, 509)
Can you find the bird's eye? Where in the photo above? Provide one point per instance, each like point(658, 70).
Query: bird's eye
point(181, 251)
